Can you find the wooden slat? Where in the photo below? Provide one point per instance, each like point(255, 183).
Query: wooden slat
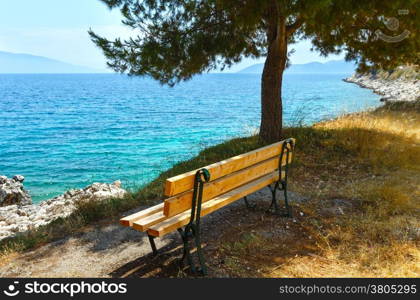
point(184, 182)
point(182, 219)
point(144, 223)
point(128, 221)
point(182, 202)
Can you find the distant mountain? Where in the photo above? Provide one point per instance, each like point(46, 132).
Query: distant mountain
point(26, 63)
point(333, 66)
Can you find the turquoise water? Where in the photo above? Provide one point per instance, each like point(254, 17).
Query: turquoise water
point(67, 131)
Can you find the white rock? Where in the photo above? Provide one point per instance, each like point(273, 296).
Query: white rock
point(17, 218)
point(392, 90)
point(12, 191)
point(18, 178)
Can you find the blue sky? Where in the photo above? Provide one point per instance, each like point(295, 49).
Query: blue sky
point(58, 29)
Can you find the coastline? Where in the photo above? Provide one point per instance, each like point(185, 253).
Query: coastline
point(135, 143)
point(392, 89)
point(18, 214)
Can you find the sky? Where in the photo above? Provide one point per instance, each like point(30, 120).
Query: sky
point(58, 29)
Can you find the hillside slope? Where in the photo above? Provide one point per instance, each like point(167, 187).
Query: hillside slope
point(25, 63)
point(334, 66)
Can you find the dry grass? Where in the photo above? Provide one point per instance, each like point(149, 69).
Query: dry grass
point(370, 162)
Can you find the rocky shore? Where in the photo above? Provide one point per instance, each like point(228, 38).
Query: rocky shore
point(399, 89)
point(18, 214)
point(12, 191)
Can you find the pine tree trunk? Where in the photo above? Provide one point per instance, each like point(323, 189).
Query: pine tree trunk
point(271, 81)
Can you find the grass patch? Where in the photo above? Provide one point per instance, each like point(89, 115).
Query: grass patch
point(369, 161)
point(248, 243)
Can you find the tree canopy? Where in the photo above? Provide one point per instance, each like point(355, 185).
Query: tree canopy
point(179, 38)
point(175, 39)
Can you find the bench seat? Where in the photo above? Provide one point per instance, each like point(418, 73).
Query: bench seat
point(129, 220)
point(147, 219)
point(177, 221)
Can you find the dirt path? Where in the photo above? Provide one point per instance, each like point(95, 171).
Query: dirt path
point(110, 250)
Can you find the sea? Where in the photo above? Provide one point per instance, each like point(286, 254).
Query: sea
point(65, 131)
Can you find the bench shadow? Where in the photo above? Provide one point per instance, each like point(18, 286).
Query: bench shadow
point(167, 263)
point(164, 265)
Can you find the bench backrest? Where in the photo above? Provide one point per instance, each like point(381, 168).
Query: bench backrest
point(225, 176)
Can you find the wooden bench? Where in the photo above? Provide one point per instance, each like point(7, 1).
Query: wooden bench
point(198, 193)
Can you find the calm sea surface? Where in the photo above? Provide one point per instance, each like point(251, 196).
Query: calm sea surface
point(67, 131)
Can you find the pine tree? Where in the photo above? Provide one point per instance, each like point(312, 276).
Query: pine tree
point(180, 38)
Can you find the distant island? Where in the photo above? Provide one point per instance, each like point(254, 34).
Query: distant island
point(26, 63)
point(334, 66)
point(15, 63)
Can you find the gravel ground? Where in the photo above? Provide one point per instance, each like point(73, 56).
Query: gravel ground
point(111, 250)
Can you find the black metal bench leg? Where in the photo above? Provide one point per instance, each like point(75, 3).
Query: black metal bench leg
point(286, 202)
point(192, 229)
point(153, 245)
point(185, 234)
point(201, 259)
point(186, 252)
point(273, 198)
